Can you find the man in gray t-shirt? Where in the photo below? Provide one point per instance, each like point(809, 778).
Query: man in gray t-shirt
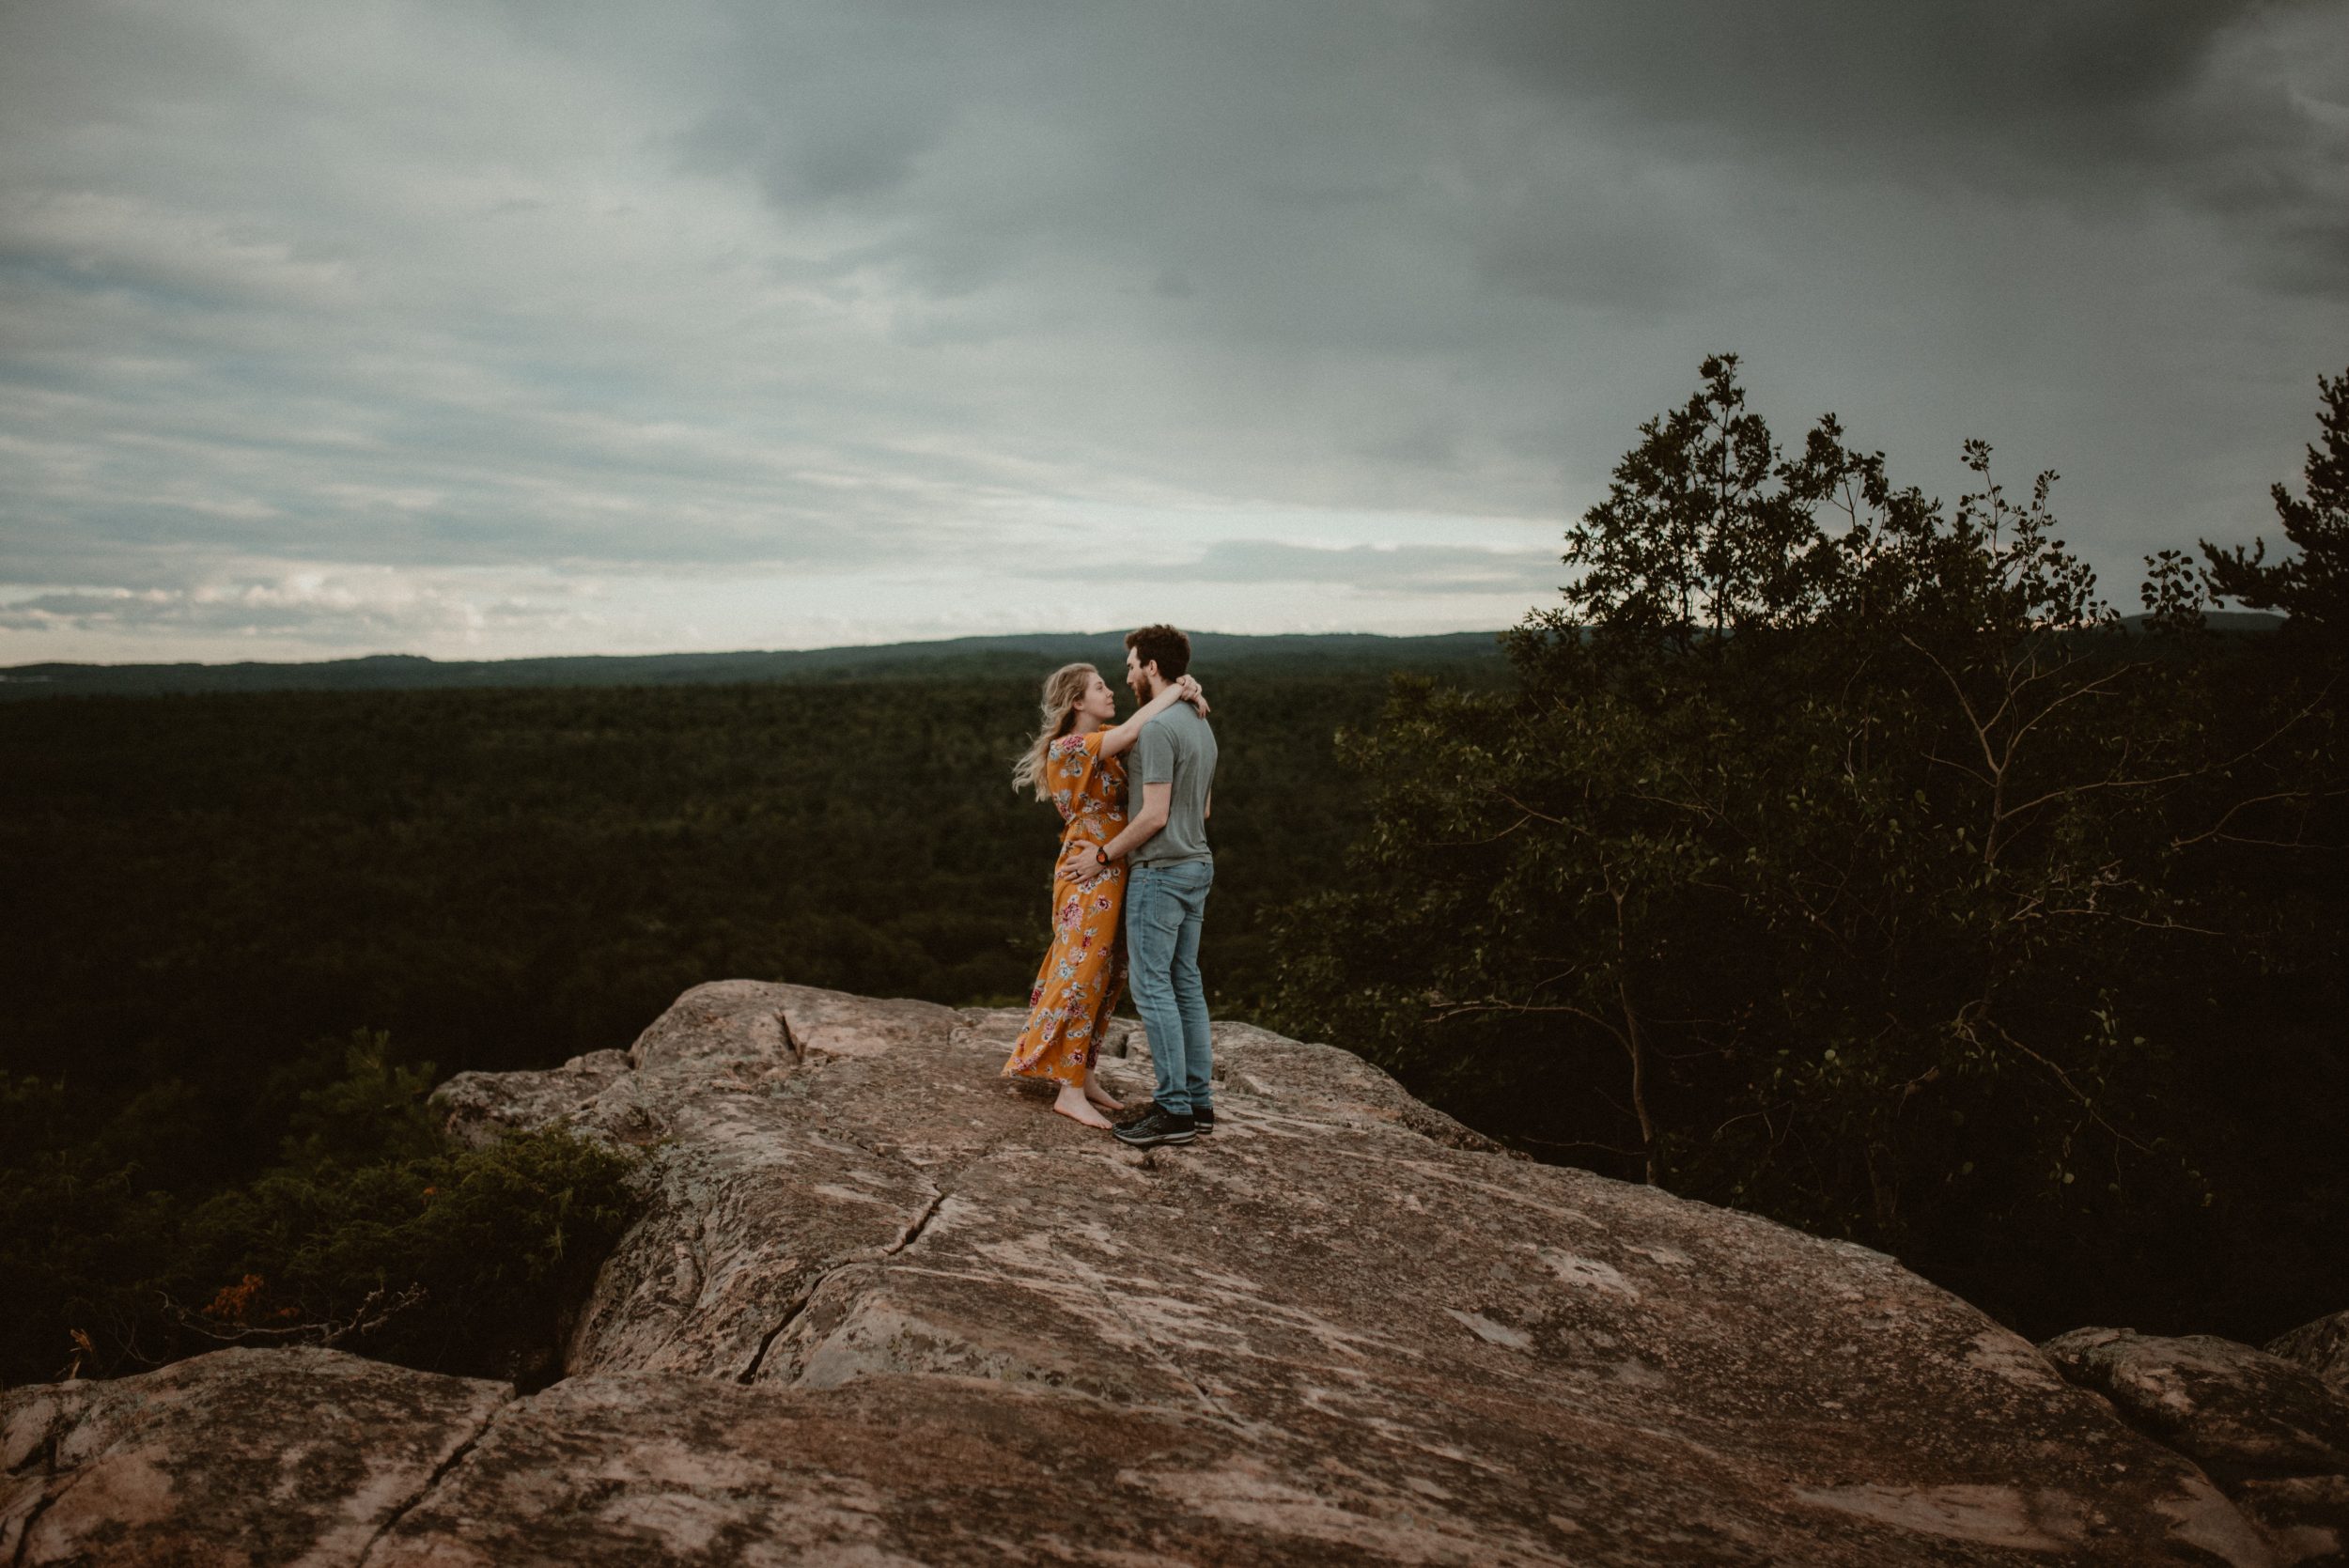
point(1179, 752)
point(1169, 789)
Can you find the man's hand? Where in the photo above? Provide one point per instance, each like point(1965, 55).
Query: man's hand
point(1077, 864)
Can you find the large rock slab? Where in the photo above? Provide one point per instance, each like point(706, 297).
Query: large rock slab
point(883, 1307)
point(238, 1457)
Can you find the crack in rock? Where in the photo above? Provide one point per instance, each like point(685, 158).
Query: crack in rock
point(914, 1227)
point(24, 1539)
point(907, 1235)
point(440, 1474)
point(47, 1452)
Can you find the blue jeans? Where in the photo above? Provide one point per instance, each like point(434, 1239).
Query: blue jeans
point(1165, 906)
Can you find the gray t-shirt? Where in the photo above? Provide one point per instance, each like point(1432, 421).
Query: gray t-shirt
point(1177, 748)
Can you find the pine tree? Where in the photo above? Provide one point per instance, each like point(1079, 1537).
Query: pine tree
point(2313, 586)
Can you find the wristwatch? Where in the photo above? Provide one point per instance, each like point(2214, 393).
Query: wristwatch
point(1102, 854)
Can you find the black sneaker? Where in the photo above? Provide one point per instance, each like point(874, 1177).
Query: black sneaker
point(1203, 1120)
point(1155, 1128)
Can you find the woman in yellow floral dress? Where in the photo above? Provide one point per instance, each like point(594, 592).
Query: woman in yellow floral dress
point(1077, 763)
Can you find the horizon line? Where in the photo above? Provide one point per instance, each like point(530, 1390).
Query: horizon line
point(6, 670)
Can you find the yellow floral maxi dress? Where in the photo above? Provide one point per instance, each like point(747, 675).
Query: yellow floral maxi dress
point(1084, 969)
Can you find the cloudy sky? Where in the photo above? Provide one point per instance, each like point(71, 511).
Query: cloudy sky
point(483, 328)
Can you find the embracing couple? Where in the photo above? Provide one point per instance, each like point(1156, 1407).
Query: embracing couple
point(1130, 888)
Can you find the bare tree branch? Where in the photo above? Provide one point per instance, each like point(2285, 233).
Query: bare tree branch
point(370, 1315)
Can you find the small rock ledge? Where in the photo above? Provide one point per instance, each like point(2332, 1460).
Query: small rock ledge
point(2270, 1427)
point(883, 1308)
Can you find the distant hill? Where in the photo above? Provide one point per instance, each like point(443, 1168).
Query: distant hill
point(1017, 656)
point(2229, 621)
point(960, 657)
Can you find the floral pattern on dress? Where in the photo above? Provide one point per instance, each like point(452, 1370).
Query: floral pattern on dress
point(1083, 972)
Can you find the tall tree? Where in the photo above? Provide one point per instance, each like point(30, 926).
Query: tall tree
point(2311, 587)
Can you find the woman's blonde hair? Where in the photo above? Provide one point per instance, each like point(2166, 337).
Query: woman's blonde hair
point(1063, 689)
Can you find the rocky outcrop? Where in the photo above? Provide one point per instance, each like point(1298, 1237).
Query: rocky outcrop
point(2267, 1430)
point(882, 1307)
point(2322, 1346)
point(2230, 1409)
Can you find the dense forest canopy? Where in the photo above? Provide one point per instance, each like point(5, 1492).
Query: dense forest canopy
point(504, 878)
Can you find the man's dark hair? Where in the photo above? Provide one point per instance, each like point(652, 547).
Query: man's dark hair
point(1164, 646)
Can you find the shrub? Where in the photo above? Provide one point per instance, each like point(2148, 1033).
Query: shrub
point(373, 1233)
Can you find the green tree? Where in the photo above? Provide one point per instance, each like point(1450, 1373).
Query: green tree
point(2311, 587)
point(375, 1112)
point(1840, 855)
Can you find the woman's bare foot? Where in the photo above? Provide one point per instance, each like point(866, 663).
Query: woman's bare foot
point(1102, 1096)
point(1073, 1105)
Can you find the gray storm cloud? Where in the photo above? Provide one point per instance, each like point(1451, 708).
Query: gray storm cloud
point(485, 308)
point(1401, 568)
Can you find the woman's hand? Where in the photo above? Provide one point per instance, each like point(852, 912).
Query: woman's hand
point(1116, 741)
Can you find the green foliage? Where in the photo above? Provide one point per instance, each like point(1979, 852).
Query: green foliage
point(373, 1115)
point(496, 1242)
point(80, 1241)
point(373, 1235)
point(1843, 856)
